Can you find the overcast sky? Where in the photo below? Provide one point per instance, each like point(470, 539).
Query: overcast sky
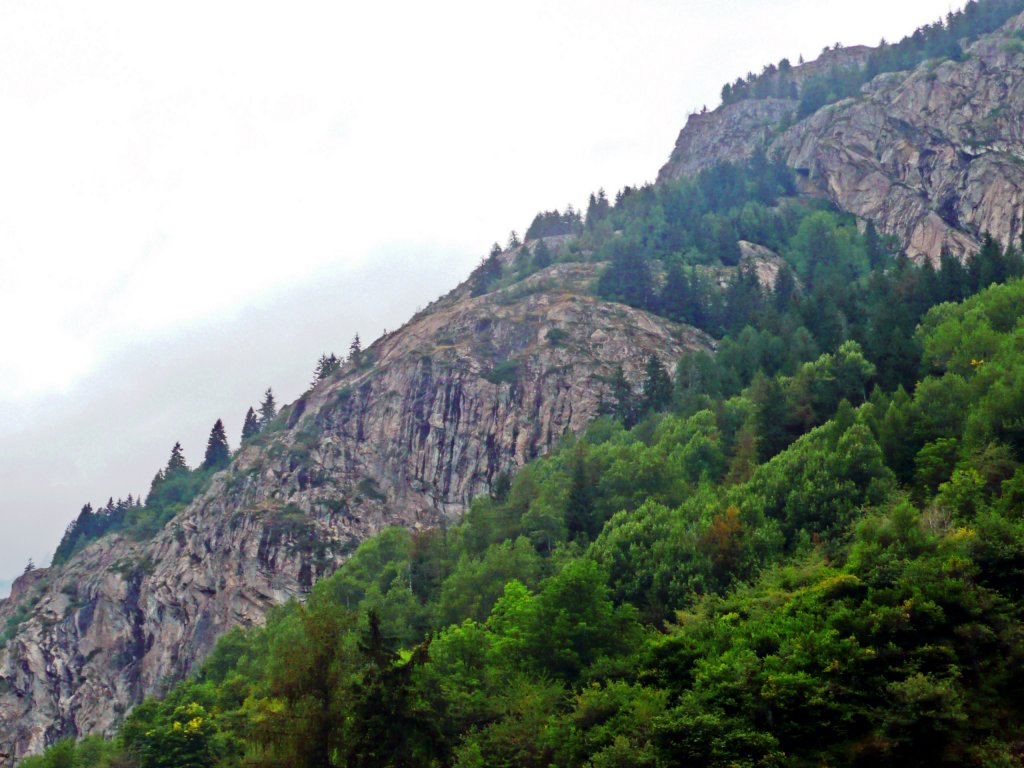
point(198, 198)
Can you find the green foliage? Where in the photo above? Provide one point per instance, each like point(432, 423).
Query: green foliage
point(502, 372)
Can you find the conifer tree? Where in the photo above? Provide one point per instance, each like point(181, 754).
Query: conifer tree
point(625, 408)
point(176, 463)
point(325, 366)
point(488, 272)
point(676, 298)
point(355, 351)
point(541, 255)
point(217, 451)
point(579, 504)
point(657, 386)
point(268, 408)
point(251, 425)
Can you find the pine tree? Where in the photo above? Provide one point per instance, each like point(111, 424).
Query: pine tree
point(676, 298)
point(657, 386)
point(625, 408)
point(579, 504)
point(176, 463)
point(268, 408)
point(355, 351)
point(217, 451)
point(873, 246)
point(251, 425)
point(325, 366)
point(488, 272)
point(513, 240)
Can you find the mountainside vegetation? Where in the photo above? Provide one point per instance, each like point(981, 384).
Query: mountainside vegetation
point(799, 554)
point(803, 549)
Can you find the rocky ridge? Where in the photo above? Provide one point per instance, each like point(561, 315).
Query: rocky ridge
point(471, 387)
point(934, 156)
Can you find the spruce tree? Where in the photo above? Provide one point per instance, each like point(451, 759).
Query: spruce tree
point(268, 408)
point(579, 505)
point(325, 366)
point(355, 351)
point(676, 298)
point(217, 451)
point(251, 425)
point(541, 255)
point(657, 386)
point(625, 408)
point(176, 463)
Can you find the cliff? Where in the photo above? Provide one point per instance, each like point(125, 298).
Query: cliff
point(934, 156)
point(469, 388)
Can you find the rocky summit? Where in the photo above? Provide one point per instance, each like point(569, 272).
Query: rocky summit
point(934, 156)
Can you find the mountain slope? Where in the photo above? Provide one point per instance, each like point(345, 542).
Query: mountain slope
point(934, 156)
point(476, 386)
point(471, 387)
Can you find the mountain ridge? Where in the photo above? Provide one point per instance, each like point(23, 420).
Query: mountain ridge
point(473, 387)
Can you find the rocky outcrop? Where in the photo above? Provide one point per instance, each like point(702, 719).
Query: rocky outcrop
point(471, 387)
point(934, 156)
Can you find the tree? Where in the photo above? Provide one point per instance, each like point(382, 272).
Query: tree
point(676, 298)
point(268, 408)
point(579, 504)
point(217, 451)
point(488, 272)
point(625, 408)
point(176, 463)
point(541, 255)
point(325, 366)
point(657, 386)
point(251, 426)
point(628, 277)
point(513, 240)
point(355, 351)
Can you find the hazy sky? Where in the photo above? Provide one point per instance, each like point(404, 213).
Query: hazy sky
point(198, 198)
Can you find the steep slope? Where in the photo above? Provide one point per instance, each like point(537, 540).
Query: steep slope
point(934, 156)
point(471, 387)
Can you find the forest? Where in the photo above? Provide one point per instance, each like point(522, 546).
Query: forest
point(805, 550)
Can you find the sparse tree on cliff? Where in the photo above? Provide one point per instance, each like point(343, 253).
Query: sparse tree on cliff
point(217, 451)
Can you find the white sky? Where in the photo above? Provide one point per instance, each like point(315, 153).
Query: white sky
point(198, 198)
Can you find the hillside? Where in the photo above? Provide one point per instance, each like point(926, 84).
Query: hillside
point(835, 455)
point(470, 388)
point(932, 156)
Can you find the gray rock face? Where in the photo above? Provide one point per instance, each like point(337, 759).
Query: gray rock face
point(469, 388)
point(934, 156)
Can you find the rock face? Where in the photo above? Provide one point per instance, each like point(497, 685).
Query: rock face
point(471, 387)
point(934, 156)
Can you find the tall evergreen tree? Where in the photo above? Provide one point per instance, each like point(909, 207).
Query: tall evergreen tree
point(541, 255)
point(625, 407)
point(657, 386)
point(268, 408)
point(251, 425)
point(217, 451)
point(676, 298)
point(579, 504)
point(488, 272)
point(355, 351)
point(628, 278)
point(176, 463)
point(325, 366)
